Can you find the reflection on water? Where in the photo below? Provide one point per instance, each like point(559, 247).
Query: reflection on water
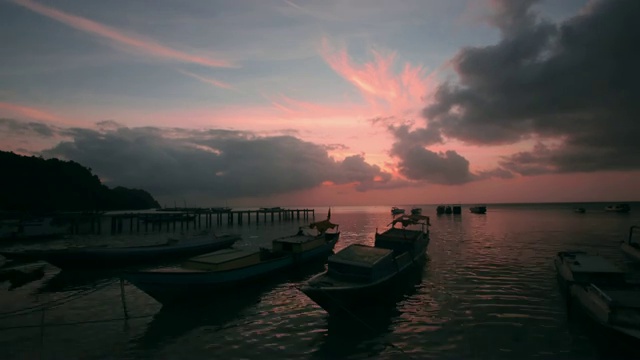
point(361, 332)
point(75, 280)
point(488, 291)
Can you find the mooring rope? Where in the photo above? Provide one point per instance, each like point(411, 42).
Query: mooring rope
point(75, 322)
point(53, 303)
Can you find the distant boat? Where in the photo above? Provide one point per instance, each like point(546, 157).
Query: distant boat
point(619, 208)
point(478, 209)
point(448, 210)
point(223, 209)
point(440, 209)
point(580, 210)
point(457, 209)
point(227, 268)
point(416, 211)
point(360, 274)
point(630, 247)
point(268, 209)
point(396, 211)
point(42, 227)
point(118, 257)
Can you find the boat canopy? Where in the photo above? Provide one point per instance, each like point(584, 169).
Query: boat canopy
point(407, 220)
point(322, 226)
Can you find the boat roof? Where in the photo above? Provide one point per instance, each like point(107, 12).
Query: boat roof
point(295, 239)
point(592, 264)
point(357, 254)
point(221, 256)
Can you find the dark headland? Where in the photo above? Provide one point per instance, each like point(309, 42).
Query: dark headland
point(33, 185)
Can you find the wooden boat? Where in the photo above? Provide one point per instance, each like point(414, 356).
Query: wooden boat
point(117, 257)
point(416, 211)
point(615, 307)
point(396, 211)
point(630, 247)
point(478, 209)
point(619, 208)
point(358, 274)
point(578, 267)
point(226, 268)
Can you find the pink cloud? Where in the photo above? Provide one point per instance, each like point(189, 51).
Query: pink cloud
point(386, 90)
point(29, 112)
point(148, 47)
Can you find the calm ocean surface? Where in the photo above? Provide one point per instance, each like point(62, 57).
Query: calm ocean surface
point(487, 291)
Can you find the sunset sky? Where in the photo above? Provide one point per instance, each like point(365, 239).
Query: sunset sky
point(300, 102)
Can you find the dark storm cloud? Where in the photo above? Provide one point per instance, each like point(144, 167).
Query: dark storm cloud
point(574, 84)
point(218, 163)
point(17, 127)
point(418, 163)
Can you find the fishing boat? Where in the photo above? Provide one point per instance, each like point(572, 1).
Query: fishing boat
point(359, 274)
point(619, 208)
point(221, 269)
point(396, 211)
point(416, 211)
point(118, 257)
point(478, 209)
point(615, 307)
point(579, 210)
point(630, 247)
point(581, 268)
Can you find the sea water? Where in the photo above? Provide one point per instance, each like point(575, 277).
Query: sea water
point(487, 291)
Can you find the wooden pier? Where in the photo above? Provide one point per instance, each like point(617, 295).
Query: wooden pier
point(136, 221)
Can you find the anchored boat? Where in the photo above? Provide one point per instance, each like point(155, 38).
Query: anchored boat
point(226, 268)
point(118, 257)
point(358, 274)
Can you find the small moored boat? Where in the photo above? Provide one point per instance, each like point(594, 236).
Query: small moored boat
point(396, 211)
point(359, 273)
point(616, 307)
point(478, 209)
point(619, 208)
point(416, 211)
point(118, 257)
point(578, 267)
point(225, 268)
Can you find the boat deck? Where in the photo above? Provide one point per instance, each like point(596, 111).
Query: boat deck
point(401, 234)
point(360, 255)
point(584, 263)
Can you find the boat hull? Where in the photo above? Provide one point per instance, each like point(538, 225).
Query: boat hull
point(343, 300)
point(340, 299)
point(631, 251)
point(167, 287)
point(623, 340)
point(122, 257)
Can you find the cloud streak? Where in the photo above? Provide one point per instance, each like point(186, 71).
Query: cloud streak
point(29, 112)
point(145, 46)
point(206, 80)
